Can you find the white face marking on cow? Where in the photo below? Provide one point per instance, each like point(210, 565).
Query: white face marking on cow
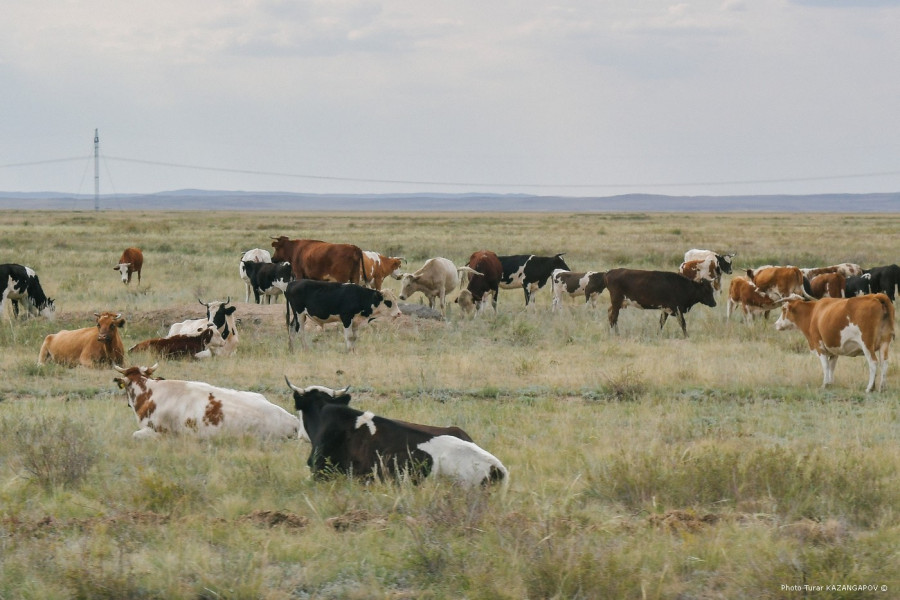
point(123, 270)
point(367, 419)
point(784, 323)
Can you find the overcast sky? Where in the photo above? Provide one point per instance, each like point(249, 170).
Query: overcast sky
point(581, 97)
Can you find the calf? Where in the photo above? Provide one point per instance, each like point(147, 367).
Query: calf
point(348, 441)
point(21, 283)
point(170, 406)
point(254, 255)
point(222, 317)
point(377, 266)
point(723, 261)
point(268, 279)
point(435, 279)
point(742, 292)
point(835, 327)
point(329, 396)
point(826, 284)
point(590, 284)
point(528, 272)
point(486, 282)
point(330, 301)
point(885, 280)
point(777, 282)
point(88, 346)
point(671, 292)
point(181, 346)
point(131, 261)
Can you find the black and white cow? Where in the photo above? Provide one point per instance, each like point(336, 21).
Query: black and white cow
point(529, 272)
point(268, 279)
point(22, 283)
point(590, 285)
point(349, 441)
point(333, 301)
point(222, 317)
point(858, 285)
point(885, 280)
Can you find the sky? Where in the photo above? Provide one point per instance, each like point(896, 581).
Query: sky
point(576, 98)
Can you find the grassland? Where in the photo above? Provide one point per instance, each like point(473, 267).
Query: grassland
point(642, 466)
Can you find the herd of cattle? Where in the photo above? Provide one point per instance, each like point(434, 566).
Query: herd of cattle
point(842, 310)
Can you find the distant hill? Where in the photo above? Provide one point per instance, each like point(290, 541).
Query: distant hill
point(474, 202)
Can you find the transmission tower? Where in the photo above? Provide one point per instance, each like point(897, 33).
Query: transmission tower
point(96, 170)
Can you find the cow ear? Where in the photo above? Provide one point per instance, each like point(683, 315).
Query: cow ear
point(230, 310)
point(120, 322)
point(121, 382)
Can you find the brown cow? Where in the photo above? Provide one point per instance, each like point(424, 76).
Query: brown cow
point(322, 261)
point(827, 284)
point(87, 346)
point(486, 282)
point(703, 270)
point(131, 262)
point(181, 346)
point(378, 266)
point(778, 282)
point(743, 293)
point(845, 269)
point(863, 325)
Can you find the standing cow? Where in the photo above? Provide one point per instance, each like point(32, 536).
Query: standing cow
point(884, 279)
point(529, 272)
point(484, 284)
point(671, 292)
point(88, 346)
point(590, 284)
point(378, 266)
point(18, 282)
point(131, 261)
point(435, 279)
point(322, 261)
point(255, 255)
point(268, 279)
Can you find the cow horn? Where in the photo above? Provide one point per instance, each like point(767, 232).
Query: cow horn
point(292, 386)
point(341, 392)
point(97, 315)
point(151, 369)
point(119, 369)
point(202, 302)
point(228, 301)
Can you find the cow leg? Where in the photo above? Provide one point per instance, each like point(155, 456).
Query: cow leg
point(613, 316)
point(247, 294)
point(662, 319)
point(350, 333)
point(682, 323)
point(145, 433)
point(828, 363)
point(15, 304)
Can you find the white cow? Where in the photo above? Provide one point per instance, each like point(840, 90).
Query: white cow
point(435, 279)
point(222, 317)
point(254, 255)
point(170, 406)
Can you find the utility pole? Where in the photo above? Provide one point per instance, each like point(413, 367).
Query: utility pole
point(96, 171)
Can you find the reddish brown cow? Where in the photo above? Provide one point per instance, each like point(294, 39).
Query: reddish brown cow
point(743, 293)
point(827, 284)
point(487, 279)
point(86, 346)
point(322, 261)
point(131, 262)
point(863, 325)
point(777, 282)
point(180, 346)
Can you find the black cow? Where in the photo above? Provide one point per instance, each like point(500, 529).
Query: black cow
point(671, 292)
point(22, 283)
point(885, 280)
point(858, 285)
point(529, 272)
point(349, 441)
point(331, 301)
point(268, 279)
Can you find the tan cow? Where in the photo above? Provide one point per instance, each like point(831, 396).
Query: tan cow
point(834, 327)
point(90, 346)
point(778, 282)
point(378, 266)
point(742, 292)
point(435, 279)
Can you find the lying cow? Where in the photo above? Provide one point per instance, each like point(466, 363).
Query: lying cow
point(254, 255)
point(348, 441)
point(268, 279)
point(435, 279)
point(170, 406)
point(196, 345)
point(742, 292)
point(329, 302)
point(590, 285)
point(528, 272)
point(835, 327)
point(89, 346)
point(378, 266)
point(322, 394)
point(219, 314)
point(17, 283)
point(673, 293)
point(131, 261)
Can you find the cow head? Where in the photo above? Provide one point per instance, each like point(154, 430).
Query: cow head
point(217, 313)
point(407, 285)
point(281, 249)
point(123, 268)
point(466, 302)
point(107, 324)
point(789, 307)
point(724, 261)
point(309, 402)
point(559, 263)
point(386, 306)
point(136, 374)
point(707, 293)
